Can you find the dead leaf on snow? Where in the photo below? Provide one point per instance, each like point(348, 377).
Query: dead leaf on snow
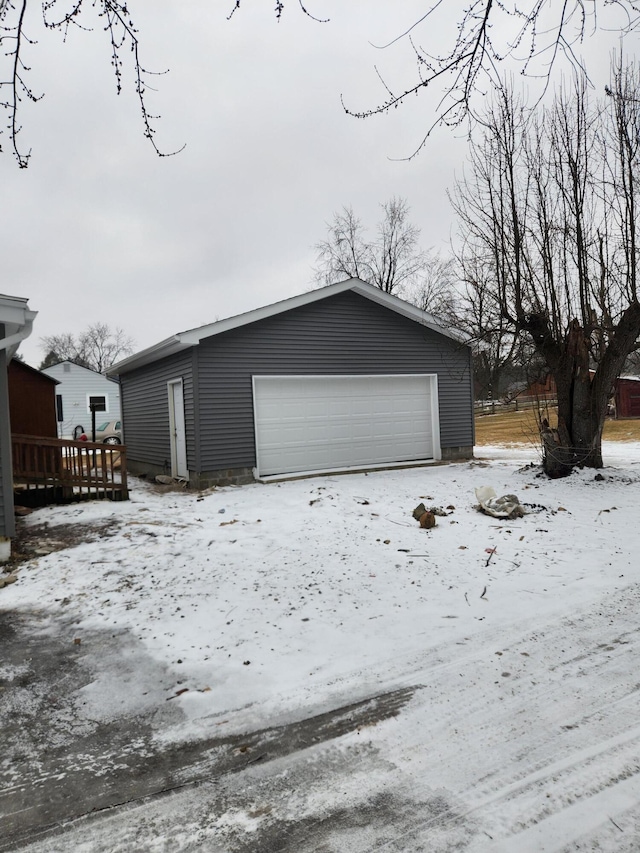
point(178, 693)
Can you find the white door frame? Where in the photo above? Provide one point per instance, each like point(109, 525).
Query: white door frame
point(177, 429)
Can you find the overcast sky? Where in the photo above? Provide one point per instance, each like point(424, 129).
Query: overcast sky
point(98, 228)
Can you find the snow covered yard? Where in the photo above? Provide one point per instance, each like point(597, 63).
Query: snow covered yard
point(517, 642)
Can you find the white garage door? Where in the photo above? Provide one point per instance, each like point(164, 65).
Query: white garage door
point(324, 423)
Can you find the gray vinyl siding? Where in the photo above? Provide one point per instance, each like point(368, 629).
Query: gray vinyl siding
point(7, 523)
point(145, 411)
point(343, 334)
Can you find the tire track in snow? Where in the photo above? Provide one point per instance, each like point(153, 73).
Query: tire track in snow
point(560, 745)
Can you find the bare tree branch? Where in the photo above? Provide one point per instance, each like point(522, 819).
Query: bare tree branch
point(484, 38)
point(481, 38)
point(115, 21)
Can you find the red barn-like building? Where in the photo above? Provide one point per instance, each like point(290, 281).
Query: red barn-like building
point(628, 397)
point(32, 401)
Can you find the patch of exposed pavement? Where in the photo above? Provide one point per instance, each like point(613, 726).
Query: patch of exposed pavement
point(38, 540)
point(58, 764)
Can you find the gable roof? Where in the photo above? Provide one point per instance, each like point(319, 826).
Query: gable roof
point(16, 364)
point(76, 367)
point(192, 337)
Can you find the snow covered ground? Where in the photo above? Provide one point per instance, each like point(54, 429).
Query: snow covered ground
point(518, 643)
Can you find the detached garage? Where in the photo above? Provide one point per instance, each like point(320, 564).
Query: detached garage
point(342, 378)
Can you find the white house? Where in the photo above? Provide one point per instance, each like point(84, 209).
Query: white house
point(78, 386)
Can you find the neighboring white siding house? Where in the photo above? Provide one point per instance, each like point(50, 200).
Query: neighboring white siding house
point(77, 386)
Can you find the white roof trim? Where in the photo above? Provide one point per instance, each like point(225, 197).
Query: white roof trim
point(76, 367)
point(17, 320)
point(192, 337)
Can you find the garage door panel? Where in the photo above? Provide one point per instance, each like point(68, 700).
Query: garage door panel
point(322, 423)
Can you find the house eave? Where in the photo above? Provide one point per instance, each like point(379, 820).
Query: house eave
point(17, 320)
point(169, 346)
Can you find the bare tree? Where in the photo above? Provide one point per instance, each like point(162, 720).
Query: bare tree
point(436, 290)
point(96, 348)
point(391, 260)
point(501, 357)
point(549, 206)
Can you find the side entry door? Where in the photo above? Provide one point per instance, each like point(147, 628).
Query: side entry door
point(178, 431)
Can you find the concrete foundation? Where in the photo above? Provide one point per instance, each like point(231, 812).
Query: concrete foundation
point(449, 454)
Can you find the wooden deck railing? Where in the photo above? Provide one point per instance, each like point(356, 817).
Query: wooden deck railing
point(72, 470)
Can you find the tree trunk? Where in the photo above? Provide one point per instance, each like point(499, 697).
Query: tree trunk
point(582, 409)
point(578, 438)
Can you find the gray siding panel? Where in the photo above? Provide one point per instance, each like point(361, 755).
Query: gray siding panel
point(3, 523)
point(145, 410)
point(7, 523)
point(344, 334)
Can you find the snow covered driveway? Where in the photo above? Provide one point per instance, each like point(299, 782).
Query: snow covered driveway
point(504, 655)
